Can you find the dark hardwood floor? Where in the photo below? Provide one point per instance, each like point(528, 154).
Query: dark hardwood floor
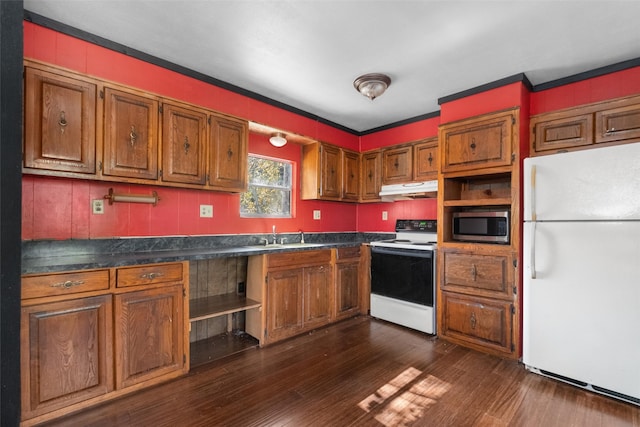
point(361, 372)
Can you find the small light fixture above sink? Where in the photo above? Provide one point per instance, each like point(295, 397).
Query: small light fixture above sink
point(278, 139)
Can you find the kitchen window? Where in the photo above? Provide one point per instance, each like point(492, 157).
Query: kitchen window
point(268, 192)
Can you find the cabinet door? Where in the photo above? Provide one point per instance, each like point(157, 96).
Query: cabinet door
point(397, 164)
point(228, 153)
point(482, 322)
point(149, 336)
point(561, 133)
point(478, 143)
point(130, 135)
point(284, 304)
point(331, 167)
point(347, 289)
point(317, 295)
point(60, 123)
point(425, 160)
point(618, 124)
point(371, 179)
point(184, 138)
point(66, 353)
point(351, 172)
point(489, 275)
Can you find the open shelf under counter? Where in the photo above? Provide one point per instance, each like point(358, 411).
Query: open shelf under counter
point(219, 305)
point(219, 346)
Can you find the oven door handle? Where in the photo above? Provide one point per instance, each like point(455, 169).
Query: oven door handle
point(417, 253)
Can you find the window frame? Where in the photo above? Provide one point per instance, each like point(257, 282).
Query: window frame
point(290, 188)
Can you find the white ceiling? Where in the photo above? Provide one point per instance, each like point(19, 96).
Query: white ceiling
point(307, 53)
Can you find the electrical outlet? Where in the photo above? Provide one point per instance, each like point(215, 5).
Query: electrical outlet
point(316, 214)
point(385, 215)
point(206, 211)
point(97, 206)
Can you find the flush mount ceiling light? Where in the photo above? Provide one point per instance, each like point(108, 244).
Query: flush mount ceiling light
point(278, 139)
point(372, 85)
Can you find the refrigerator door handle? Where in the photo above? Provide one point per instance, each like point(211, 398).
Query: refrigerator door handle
point(533, 250)
point(532, 195)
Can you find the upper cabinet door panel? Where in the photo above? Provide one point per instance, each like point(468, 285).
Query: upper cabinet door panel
point(331, 179)
point(477, 143)
point(618, 124)
point(130, 135)
point(425, 160)
point(351, 171)
point(561, 133)
point(397, 165)
point(228, 156)
point(184, 139)
point(60, 123)
point(371, 179)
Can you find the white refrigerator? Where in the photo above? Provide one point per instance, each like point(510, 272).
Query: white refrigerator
point(581, 299)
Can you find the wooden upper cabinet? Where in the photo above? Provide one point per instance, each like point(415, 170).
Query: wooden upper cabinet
point(130, 134)
point(480, 142)
point(397, 165)
point(331, 171)
point(560, 132)
point(60, 122)
point(425, 160)
point(184, 140)
point(371, 176)
point(617, 124)
point(350, 175)
point(228, 153)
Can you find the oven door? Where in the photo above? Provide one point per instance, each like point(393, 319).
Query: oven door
point(403, 274)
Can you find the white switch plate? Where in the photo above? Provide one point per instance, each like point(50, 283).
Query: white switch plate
point(385, 215)
point(97, 206)
point(316, 214)
point(206, 211)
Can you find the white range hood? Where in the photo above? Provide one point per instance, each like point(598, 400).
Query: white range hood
point(409, 191)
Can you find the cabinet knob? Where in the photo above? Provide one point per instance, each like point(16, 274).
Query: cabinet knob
point(229, 153)
point(473, 320)
point(186, 145)
point(133, 135)
point(62, 122)
point(68, 284)
point(474, 272)
point(150, 276)
point(430, 159)
point(473, 144)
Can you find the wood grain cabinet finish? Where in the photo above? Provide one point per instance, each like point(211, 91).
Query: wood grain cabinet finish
point(425, 160)
point(618, 123)
point(397, 164)
point(477, 143)
point(559, 132)
point(350, 175)
point(60, 122)
point(481, 274)
point(66, 355)
point(284, 304)
point(184, 142)
point(130, 134)
point(149, 332)
point(348, 290)
point(371, 176)
point(331, 172)
point(228, 153)
point(317, 295)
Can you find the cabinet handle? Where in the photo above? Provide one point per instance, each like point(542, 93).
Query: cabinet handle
point(62, 122)
point(370, 175)
point(473, 144)
point(132, 135)
point(430, 159)
point(68, 284)
point(608, 131)
point(533, 250)
point(150, 276)
point(186, 145)
point(396, 164)
point(473, 320)
point(229, 153)
point(474, 272)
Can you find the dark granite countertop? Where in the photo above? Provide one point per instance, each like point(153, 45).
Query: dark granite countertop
point(48, 256)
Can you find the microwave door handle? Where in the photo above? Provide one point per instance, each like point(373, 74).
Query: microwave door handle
point(532, 194)
point(533, 250)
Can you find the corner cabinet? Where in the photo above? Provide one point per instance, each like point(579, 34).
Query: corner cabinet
point(479, 285)
point(330, 173)
point(89, 336)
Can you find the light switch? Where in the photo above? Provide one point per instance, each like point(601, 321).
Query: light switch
point(316, 214)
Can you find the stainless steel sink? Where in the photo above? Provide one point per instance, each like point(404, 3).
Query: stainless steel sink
point(286, 246)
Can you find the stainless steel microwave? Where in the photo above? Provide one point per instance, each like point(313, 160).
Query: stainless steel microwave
point(490, 226)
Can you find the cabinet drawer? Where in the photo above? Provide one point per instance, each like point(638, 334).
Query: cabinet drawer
point(478, 320)
point(472, 273)
point(148, 274)
point(349, 252)
point(299, 258)
point(64, 283)
point(560, 133)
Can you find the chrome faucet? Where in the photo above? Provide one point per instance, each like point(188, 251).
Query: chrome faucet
point(301, 236)
point(275, 236)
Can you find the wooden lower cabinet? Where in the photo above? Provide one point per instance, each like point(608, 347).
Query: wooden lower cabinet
point(284, 304)
point(149, 334)
point(347, 282)
point(85, 338)
point(317, 295)
point(66, 354)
